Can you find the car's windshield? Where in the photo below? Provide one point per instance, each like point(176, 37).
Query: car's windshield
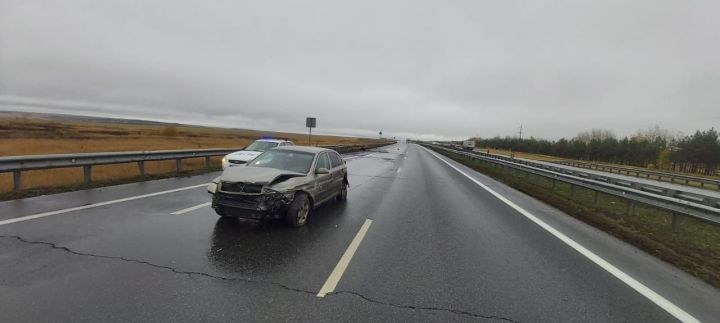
point(262, 145)
point(283, 159)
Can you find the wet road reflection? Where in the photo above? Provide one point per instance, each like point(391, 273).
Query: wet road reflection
point(249, 248)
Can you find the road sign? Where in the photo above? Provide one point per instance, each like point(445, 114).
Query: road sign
point(310, 123)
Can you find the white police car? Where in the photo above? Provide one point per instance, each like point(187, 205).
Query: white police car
point(250, 152)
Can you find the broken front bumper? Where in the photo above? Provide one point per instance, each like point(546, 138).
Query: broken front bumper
point(256, 206)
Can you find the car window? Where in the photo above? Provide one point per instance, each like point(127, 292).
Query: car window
point(322, 162)
point(335, 159)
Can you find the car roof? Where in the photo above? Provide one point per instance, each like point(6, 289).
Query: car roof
point(273, 140)
point(307, 149)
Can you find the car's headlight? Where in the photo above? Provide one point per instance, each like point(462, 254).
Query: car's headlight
point(212, 188)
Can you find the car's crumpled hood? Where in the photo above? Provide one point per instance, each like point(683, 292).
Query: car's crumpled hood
point(243, 155)
point(256, 175)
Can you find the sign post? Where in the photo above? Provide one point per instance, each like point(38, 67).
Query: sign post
point(310, 123)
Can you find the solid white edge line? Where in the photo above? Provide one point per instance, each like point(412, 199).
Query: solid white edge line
point(90, 206)
point(192, 208)
point(337, 273)
point(656, 298)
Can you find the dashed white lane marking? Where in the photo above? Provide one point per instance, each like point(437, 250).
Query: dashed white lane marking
point(190, 209)
point(337, 273)
point(399, 169)
point(656, 298)
point(90, 206)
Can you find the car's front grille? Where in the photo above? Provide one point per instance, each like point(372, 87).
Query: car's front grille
point(236, 162)
point(238, 201)
point(240, 187)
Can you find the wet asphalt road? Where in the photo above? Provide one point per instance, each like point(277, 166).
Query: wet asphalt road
point(440, 248)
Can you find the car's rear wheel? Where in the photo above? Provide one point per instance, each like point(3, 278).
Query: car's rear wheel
point(342, 196)
point(298, 211)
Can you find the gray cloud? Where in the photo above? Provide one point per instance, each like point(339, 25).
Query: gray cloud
point(409, 68)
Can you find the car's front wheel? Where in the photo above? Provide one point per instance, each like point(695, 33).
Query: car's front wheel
point(298, 211)
point(221, 212)
point(342, 196)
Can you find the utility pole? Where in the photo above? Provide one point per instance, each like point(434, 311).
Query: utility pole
point(521, 131)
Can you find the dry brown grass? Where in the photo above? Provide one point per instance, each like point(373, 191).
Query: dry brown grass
point(31, 136)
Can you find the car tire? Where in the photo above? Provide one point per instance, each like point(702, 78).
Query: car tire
point(221, 212)
point(298, 211)
point(342, 195)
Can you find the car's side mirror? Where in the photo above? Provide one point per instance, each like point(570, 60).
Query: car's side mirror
point(321, 171)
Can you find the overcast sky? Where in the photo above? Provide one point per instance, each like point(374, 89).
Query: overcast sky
point(433, 68)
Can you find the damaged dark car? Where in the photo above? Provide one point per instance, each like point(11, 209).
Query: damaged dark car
point(282, 183)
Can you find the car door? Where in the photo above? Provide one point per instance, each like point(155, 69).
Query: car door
point(323, 182)
point(338, 172)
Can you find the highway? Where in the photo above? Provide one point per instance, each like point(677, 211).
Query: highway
point(421, 238)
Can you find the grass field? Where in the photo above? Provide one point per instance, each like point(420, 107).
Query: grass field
point(30, 134)
point(695, 248)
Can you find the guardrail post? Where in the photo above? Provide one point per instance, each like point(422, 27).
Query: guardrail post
point(207, 162)
point(675, 222)
point(87, 173)
point(17, 181)
point(595, 197)
point(631, 207)
point(178, 164)
point(141, 167)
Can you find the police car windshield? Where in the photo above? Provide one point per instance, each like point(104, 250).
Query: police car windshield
point(262, 145)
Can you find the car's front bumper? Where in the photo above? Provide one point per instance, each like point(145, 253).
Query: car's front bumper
point(258, 207)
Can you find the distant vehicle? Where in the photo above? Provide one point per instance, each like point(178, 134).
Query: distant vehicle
point(468, 145)
point(281, 183)
point(255, 149)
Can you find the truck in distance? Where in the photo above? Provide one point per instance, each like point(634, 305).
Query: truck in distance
point(468, 145)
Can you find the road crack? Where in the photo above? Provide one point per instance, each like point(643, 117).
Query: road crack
point(190, 275)
point(147, 263)
point(424, 308)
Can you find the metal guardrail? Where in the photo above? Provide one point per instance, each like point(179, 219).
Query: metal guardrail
point(19, 164)
point(630, 171)
point(676, 203)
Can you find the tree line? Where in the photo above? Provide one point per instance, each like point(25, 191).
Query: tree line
point(652, 148)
